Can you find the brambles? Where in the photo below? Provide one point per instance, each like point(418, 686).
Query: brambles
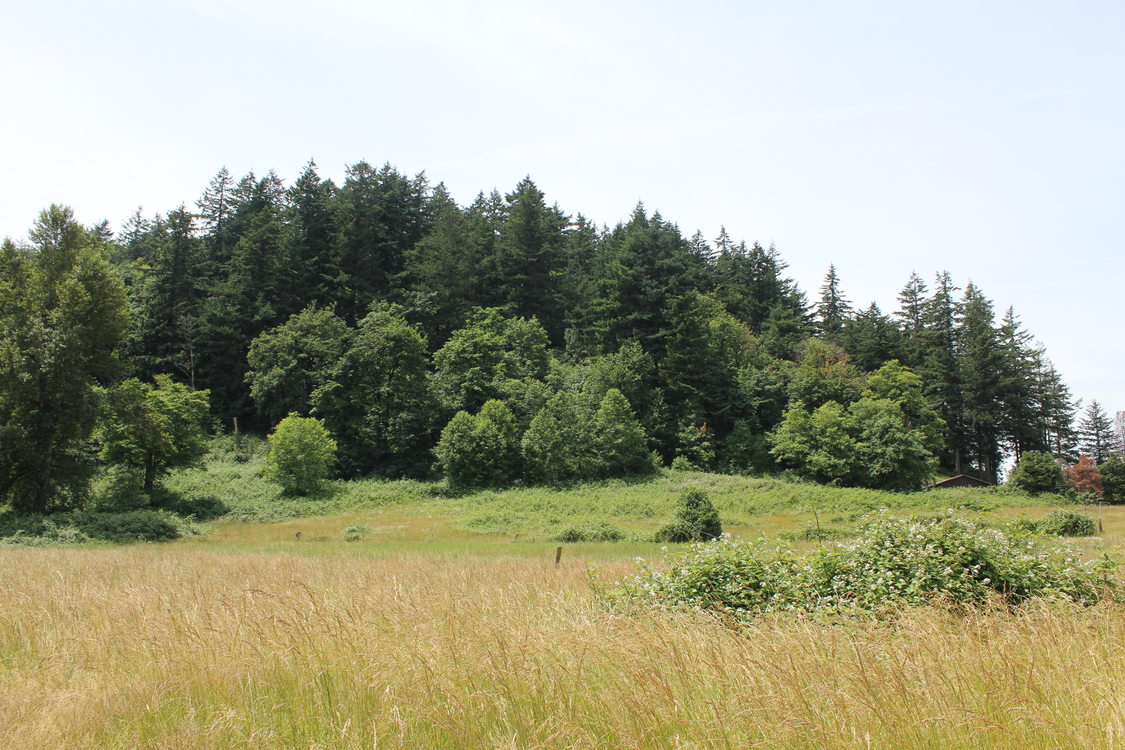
point(892, 564)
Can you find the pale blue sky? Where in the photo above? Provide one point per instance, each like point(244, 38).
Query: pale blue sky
point(983, 138)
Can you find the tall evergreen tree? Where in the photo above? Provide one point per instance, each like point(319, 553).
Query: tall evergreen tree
point(381, 215)
point(1095, 431)
point(871, 339)
point(311, 218)
point(166, 295)
point(834, 309)
point(528, 258)
point(912, 318)
point(940, 367)
point(650, 264)
point(981, 366)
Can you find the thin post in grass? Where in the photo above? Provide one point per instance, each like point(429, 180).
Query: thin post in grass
point(558, 555)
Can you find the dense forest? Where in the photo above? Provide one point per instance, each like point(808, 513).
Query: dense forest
point(501, 341)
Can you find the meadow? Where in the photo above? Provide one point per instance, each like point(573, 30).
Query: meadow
point(445, 623)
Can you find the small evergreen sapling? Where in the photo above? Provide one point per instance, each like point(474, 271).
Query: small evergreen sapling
point(697, 520)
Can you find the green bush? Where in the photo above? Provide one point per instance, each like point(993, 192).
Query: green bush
point(1066, 523)
point(1038, 472)
point(893, 563)
point(356, 532)
point(133, 526)
point(202, 508)
point(602, 532)
point(1113, 479)
point(86, 526)
point(697, 520)
point(301, 455)
point(480, 450)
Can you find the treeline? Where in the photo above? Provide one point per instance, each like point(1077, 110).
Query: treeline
point(410, 325)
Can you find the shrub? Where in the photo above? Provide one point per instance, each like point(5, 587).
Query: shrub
point(301, 454)
point(356, 532)
point(893, 563)
point(202, 508)
point(1037, 472)
point(1066, 523)
point(696, 520)
point(603, 532)
point(683, 463)
point(134, 526)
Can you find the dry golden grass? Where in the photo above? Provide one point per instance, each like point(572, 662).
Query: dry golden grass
point(166, 648)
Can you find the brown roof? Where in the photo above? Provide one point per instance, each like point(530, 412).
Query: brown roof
point(962, 480)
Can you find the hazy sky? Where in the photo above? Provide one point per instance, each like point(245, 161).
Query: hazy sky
point(885, 137)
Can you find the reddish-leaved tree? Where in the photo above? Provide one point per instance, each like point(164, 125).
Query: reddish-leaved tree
point(1084, 476)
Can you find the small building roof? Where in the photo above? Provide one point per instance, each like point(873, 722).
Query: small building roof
point(962, 480)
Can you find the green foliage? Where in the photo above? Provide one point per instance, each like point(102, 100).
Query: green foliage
point(697, 519)
point(63, 320)
point(744, 451)
point(355, 533)
point(1037, 472)
point(480, 450)
point(695, 446)
point(885, 440)
point(1066, 523)
point(825, 373)
point(302, 454)
point(602, 532)
point(289, 362)
point(376, 398)
point(474, 365)
point(816, 444)
point(152, 428)
point(84, 526)
point(1113, 479)
point(893, 563)
point(620, 444)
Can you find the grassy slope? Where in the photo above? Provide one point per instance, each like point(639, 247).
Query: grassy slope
point(418, 517)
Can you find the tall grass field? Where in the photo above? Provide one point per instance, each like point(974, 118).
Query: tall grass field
point(156, 647)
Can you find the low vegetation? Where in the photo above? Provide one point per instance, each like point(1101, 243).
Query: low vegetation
point(891, 564)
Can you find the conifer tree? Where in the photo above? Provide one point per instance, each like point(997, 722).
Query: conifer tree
point(834, 309)
point(529, 257)
point(940, 367)
point(311, 234)
point(1095, 432)
point(981, 367)
point(621, 446)
point(912, 318)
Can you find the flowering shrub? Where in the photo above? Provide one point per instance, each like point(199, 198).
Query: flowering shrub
point(892, 563)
